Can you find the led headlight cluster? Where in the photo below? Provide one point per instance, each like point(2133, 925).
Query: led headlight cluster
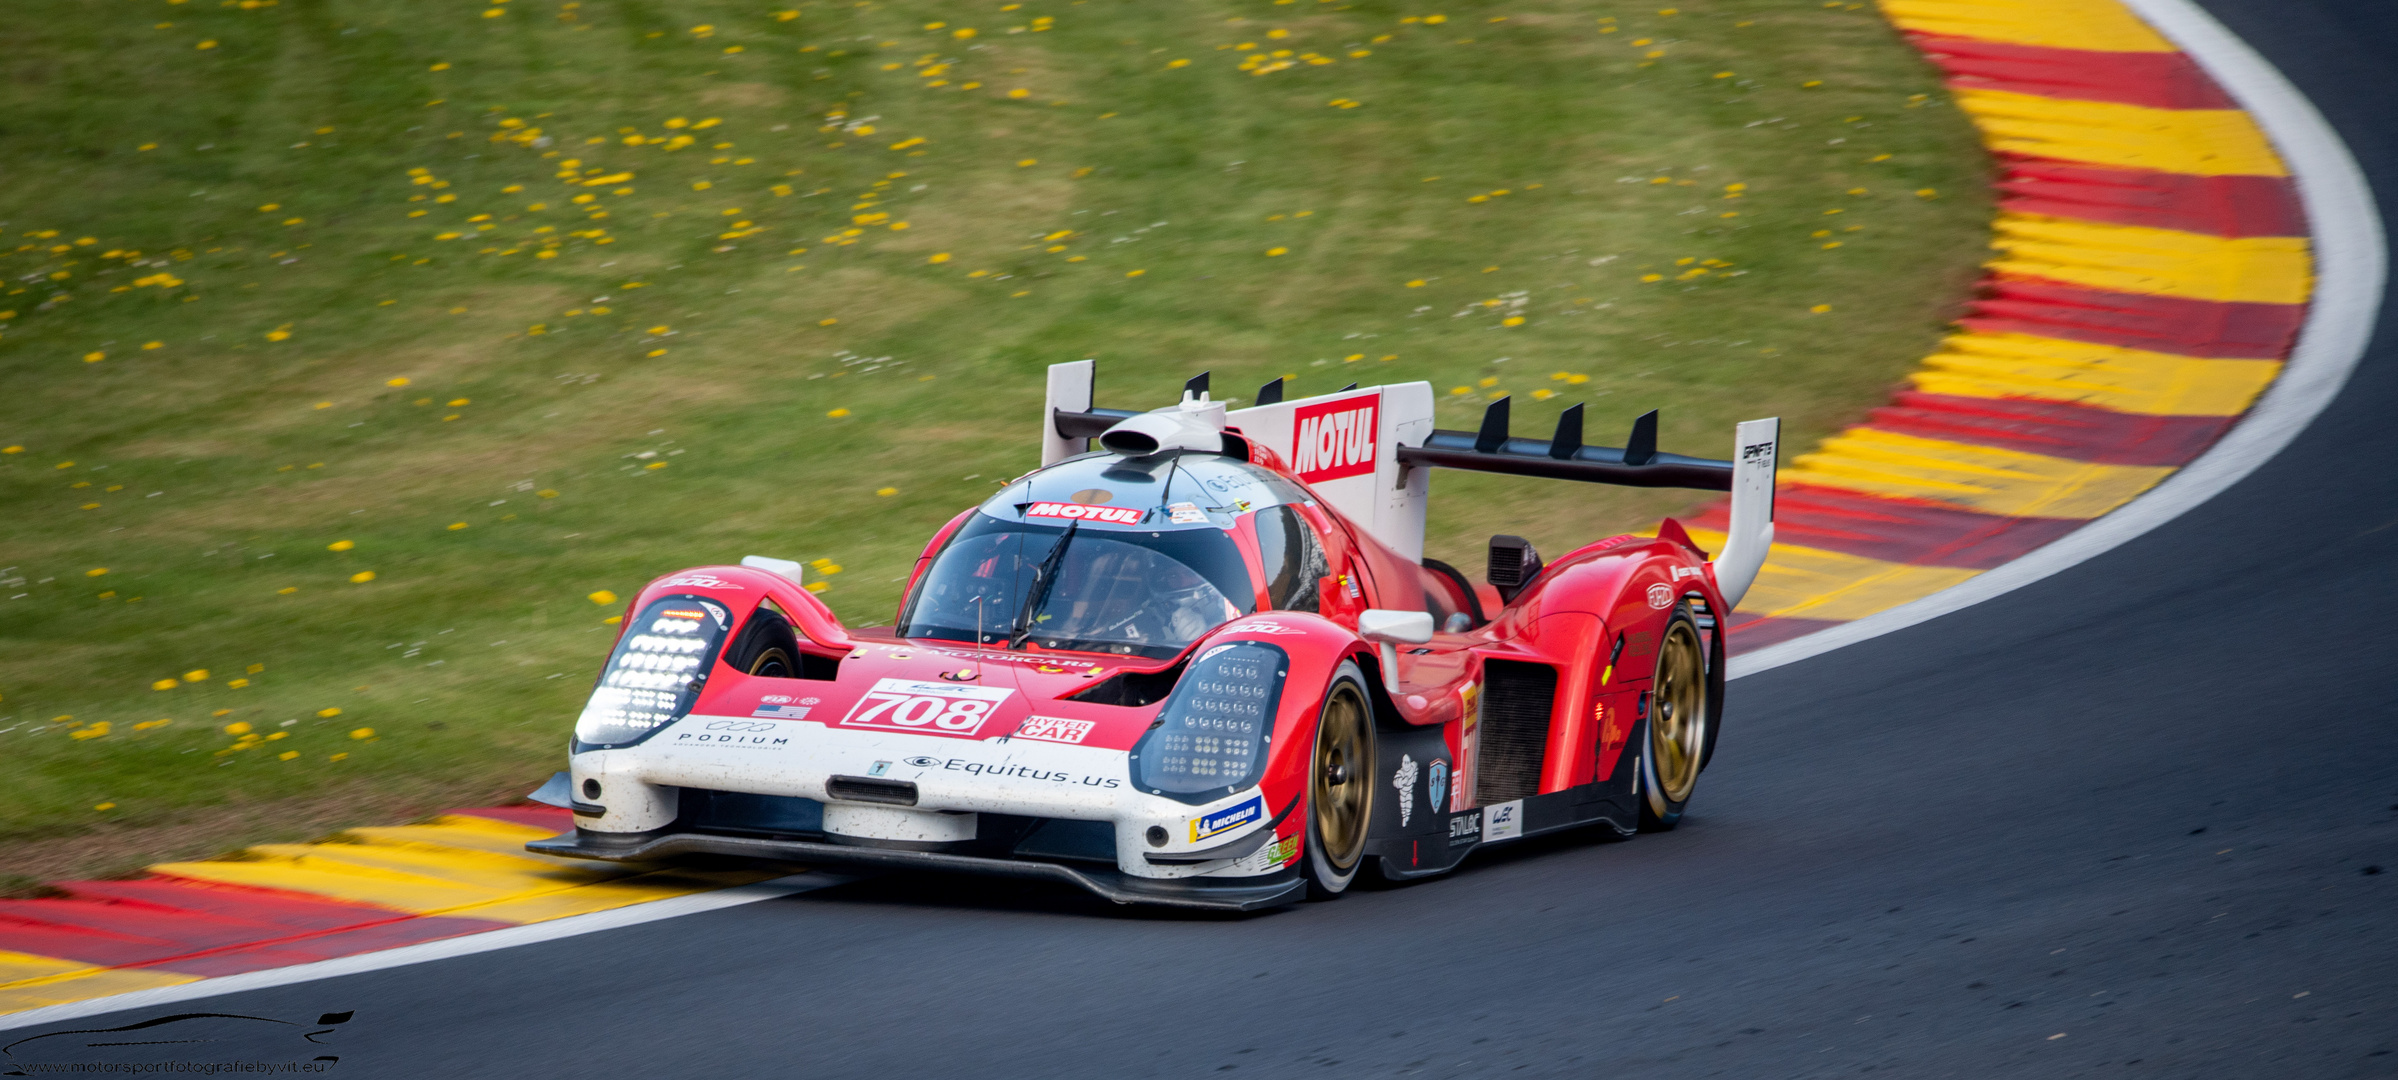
point(655, 674)
point(1210, 739)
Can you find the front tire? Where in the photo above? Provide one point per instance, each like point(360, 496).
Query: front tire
point(767, 647)
point(1340, 786)
point(1678, 725)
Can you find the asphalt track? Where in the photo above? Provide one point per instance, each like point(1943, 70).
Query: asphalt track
point(2129, 820)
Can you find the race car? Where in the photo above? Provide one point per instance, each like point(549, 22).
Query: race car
point(1203, 664)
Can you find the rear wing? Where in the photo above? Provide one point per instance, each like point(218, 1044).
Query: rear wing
point(1368, 451)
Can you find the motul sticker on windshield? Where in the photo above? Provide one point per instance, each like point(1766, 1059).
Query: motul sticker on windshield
point(925, 708)
point(1055, 729)
point(1334, 439)
point(1114, 515)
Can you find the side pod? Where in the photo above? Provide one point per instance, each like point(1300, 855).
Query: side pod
point(1755, 450)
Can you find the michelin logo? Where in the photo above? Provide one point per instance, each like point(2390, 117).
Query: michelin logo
point(1207, 825)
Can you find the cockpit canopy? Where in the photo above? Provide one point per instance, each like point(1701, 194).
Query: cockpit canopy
point(1125, 555)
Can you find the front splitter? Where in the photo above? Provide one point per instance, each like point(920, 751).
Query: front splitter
point(1243, 894)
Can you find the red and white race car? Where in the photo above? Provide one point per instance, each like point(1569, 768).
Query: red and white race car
point(1205, 664)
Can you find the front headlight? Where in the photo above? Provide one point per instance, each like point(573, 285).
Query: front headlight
point(656, 673)
point(1210, 739)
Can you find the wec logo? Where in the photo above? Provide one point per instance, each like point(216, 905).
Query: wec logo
point(1334, 439)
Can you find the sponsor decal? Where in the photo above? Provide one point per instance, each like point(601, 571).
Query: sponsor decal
point(1274, 855)
point(1186, 514)
point(781, 712)
point(933, 708)
point(1207, 825)
point(1349, 586)
point(879, 768)
point(1054, 729)
point(1503, 822)
point(1115, 515)
point(1269, 628)
point(1210, 652)
point(1757, 454)
point(1436, 790)
point(1465, 828)
point(699, 581)
point(1404, 780)
point(740, 734)
point(1661, 596)
point(1334, 439)
point(981, 769)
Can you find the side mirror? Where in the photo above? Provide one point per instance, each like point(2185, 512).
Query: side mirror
point(1389, 629)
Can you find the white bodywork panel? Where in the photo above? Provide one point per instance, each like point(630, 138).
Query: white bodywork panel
point(1364, 482)
point(1755, 449)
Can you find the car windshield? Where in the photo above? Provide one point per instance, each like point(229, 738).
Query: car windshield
point(1136, 593)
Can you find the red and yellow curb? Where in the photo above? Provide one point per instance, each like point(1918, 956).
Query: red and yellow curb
point(363, 890)
point(2153, 267)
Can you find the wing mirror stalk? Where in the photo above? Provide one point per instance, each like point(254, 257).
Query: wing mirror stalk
point(1390, 629)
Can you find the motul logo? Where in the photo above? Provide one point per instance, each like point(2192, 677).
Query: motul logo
point(1335, 439)
point(1121, 515)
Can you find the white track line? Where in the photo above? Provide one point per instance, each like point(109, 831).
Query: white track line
point(2351, 261)
point(571, 926)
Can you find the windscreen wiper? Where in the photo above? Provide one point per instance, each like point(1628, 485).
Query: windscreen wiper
point(1045, 576)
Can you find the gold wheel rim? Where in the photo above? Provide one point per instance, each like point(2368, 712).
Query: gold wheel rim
point(1678, 712)
point(1340, 789)
point(771, 658)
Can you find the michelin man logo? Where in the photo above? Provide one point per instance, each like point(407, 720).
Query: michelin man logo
point(1404, 780)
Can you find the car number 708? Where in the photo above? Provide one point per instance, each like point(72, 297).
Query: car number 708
point(906, 705)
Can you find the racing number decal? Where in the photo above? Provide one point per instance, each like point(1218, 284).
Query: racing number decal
point(932, 708)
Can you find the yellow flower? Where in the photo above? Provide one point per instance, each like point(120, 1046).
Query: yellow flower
point(962, 33)
point(1927, 193)
point(1019, 92)
point(287, 590)
point(1028, 163)
point(443, 66)
point(400, 381)
point(457, 525)
point(153, 344)
point(656, 465)
point(1512, 320)
point(363, 733)
point(287, 755)
point(1652, 277)
point(105, 806)
point(237, 683)
point(196, 675)
point(165, 684)
point(838, 413)
point(1134, 273)
point(341, 545)
point(362, 577)
point(886, 492)
point(826, 322)
point(1416, 284)
point(238, 727)
point(337, 757)
point(1178, 63)
point(1820, 309)
point(1271, 252)
point(94, 357)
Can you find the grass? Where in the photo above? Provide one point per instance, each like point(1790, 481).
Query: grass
point(514, 307)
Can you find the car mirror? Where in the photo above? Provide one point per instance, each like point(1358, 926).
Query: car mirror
point(1389, 629)
point(1402, 627)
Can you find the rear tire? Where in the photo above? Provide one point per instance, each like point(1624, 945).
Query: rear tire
point(1340, 786)
point(1676, 734)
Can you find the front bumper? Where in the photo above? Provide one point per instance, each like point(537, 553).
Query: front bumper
point(1210, 894)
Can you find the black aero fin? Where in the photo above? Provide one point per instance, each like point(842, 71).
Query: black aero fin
point(1271, 392)
point(1569, 434)
point(1494, 427)
point(1197, 387)
point(1641, 448)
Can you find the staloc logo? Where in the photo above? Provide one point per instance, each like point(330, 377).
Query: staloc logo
point(1334, 439)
